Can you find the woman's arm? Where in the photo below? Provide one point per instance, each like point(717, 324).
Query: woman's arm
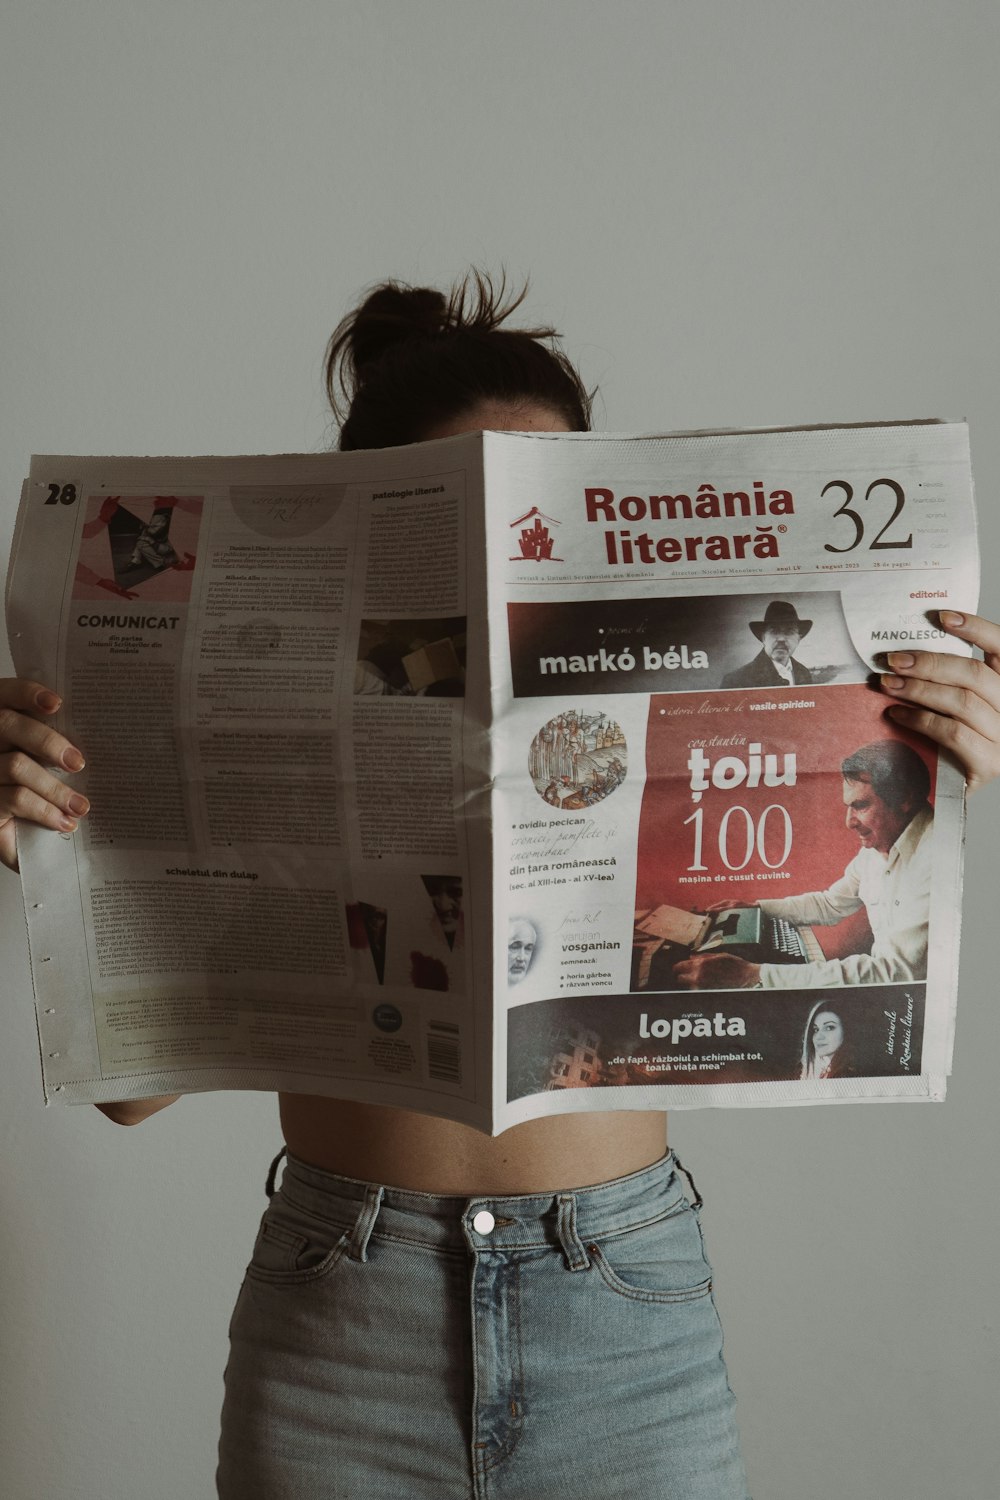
point(134, 1111)
point(32, 794)
point(953, 700)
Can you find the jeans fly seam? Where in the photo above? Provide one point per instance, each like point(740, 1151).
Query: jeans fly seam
point(488, 1461)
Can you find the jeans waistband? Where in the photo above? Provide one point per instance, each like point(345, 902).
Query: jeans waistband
point(448, 1221)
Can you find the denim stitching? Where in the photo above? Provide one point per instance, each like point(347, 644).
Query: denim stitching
point(298, 1278)
point(646, 1294)
point(492, 1460)
point(679, 1206)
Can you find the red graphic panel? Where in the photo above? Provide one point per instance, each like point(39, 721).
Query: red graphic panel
point(744, 794)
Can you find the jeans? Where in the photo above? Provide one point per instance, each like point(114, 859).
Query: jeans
point(394, 1345)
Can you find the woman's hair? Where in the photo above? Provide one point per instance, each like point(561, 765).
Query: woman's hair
point(409, 359)
point(842, 1061)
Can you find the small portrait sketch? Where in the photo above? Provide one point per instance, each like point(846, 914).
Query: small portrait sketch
point(522, 944)
point(577, 759)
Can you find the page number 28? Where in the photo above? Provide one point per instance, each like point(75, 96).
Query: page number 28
point(61, 494)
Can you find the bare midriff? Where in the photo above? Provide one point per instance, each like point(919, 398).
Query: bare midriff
point(398, 1148)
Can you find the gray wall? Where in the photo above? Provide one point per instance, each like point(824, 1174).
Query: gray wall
point(739, 213)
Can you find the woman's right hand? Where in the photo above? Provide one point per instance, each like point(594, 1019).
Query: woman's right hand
point(28, 790)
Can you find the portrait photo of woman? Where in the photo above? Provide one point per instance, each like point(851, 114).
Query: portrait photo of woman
point(826, 1051)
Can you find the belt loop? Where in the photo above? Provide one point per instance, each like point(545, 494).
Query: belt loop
point(698, 1200)
point(365, 1222)
point(573, 1248)
point(272, 1175)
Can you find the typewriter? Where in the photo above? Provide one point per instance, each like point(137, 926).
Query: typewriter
point(666, 934)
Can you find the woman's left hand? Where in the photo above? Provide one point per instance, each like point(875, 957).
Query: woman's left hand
point(953, 700)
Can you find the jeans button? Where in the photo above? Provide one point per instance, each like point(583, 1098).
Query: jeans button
point(484, 1222)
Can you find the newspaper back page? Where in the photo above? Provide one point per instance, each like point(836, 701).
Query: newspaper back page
point(265, 661)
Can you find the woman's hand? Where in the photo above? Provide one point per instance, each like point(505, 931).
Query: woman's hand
point(953, 700)
point(29, 791)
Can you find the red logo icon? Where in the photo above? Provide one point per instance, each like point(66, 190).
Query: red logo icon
point(535, 541)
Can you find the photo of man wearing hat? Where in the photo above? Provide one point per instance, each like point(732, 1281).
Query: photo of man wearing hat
point(779, 633)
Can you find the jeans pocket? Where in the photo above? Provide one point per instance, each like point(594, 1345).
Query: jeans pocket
point(663, 1261)
point(293, 1247)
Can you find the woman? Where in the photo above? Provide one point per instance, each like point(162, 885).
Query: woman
point(825, 1053)
point(430, 1311)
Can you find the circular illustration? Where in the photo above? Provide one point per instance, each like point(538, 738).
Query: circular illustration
point(577, 759)
point(286, 510)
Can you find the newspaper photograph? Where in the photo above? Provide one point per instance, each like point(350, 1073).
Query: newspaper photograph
point(499, 776)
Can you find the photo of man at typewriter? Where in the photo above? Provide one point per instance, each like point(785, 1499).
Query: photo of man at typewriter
point(885, 794)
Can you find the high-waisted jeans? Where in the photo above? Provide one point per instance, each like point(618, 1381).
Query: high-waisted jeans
point(392, 1345)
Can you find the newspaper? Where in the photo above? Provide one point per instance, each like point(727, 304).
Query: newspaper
point(500, 776)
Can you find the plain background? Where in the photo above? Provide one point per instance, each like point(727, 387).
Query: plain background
point(737, 213)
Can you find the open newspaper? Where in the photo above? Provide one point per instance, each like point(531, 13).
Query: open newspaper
point(500, 776)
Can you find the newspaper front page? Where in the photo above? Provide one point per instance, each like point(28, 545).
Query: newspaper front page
point(500, 776)
point(739, 882)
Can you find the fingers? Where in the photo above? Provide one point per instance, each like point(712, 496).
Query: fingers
point(978, 755)
point(971, 695)
point(953, 700)
point(975, 629)
point(28, 790)
point(28, 807)
point(8, 847)
point(19, 730)
point(27, 697)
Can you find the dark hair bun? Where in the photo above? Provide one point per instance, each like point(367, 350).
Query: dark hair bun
point(395, 315)
point(410, 358)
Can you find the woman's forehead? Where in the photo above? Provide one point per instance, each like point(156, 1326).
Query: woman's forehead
point(501, 416)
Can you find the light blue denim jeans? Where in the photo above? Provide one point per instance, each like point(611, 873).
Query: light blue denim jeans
point(392, 1345)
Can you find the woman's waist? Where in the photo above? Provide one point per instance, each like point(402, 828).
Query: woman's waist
point(510, 1220)
point(419, 1153)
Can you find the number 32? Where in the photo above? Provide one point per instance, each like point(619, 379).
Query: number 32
point(859, 525)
